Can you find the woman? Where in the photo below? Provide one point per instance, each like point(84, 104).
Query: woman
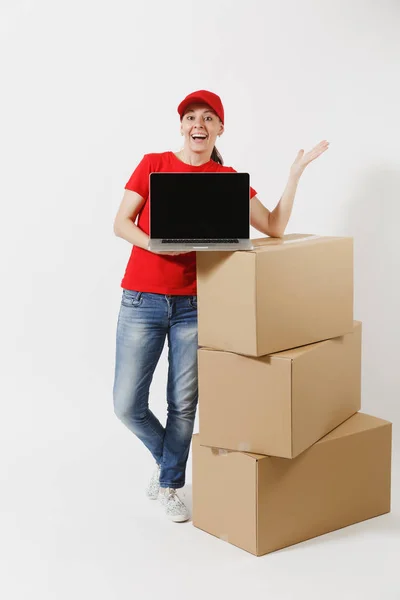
point(159, 299)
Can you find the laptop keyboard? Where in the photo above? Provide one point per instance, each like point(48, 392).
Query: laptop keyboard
point(202, 241)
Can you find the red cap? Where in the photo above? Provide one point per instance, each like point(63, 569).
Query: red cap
point(209, 98)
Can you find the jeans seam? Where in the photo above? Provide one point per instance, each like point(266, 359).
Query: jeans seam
point(176, 486)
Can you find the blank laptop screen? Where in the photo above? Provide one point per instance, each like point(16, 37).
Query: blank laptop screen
point(199, 205)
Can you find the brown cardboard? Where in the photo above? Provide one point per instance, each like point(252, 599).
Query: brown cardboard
point(261, 503)
point(285, 293)
point(282, 403)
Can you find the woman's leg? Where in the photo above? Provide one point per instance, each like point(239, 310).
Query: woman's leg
point(182, 389)
point(141, 331)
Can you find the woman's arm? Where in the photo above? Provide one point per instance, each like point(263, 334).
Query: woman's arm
point(124, 223)
point(273, 223)
point(279, 217)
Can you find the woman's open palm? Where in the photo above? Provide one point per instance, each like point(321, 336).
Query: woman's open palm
point(302, 160)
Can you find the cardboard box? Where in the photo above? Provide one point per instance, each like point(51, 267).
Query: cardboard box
point(285, 293)
point(279, 404)
point(263, 503)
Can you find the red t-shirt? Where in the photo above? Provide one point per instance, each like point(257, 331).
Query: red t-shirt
point(150, 272)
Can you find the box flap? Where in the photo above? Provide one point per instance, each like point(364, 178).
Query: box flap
point(271, 243)
point(293, 353)
point(355, 424)
point(222, 451)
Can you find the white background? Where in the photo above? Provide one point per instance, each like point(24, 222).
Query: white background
point(88, 88)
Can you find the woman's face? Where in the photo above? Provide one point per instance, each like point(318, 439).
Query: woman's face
point(200, 120)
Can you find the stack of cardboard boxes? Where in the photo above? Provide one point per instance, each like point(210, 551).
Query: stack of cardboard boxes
point(282, 454)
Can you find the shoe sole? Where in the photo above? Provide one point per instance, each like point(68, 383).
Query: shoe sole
point(179, 519)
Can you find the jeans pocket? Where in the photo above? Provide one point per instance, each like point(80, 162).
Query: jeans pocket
point(131, 298)
point(193, 302)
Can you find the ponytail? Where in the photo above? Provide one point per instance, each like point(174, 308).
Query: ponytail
point(216, 157)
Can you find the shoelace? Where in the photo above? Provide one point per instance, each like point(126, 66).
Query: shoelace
point(171, 494)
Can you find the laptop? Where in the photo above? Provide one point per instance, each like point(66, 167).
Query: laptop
point(199, 211)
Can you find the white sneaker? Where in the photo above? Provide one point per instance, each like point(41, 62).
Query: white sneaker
point(154, 484)
point(175, 509)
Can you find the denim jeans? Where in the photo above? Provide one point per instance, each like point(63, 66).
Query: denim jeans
point(145, 319)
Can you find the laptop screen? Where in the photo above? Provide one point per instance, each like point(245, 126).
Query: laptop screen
point(199, 205)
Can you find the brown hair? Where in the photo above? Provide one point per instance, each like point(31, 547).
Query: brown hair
point(216, 157)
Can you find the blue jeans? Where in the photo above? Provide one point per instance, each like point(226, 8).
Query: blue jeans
point(144, 320)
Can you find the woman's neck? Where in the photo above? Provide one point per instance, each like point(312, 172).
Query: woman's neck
point(195, 160)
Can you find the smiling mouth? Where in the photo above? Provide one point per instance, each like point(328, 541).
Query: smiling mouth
point(198, 138)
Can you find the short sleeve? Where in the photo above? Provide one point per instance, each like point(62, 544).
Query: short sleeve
point(139, 180)
point(253, 192)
